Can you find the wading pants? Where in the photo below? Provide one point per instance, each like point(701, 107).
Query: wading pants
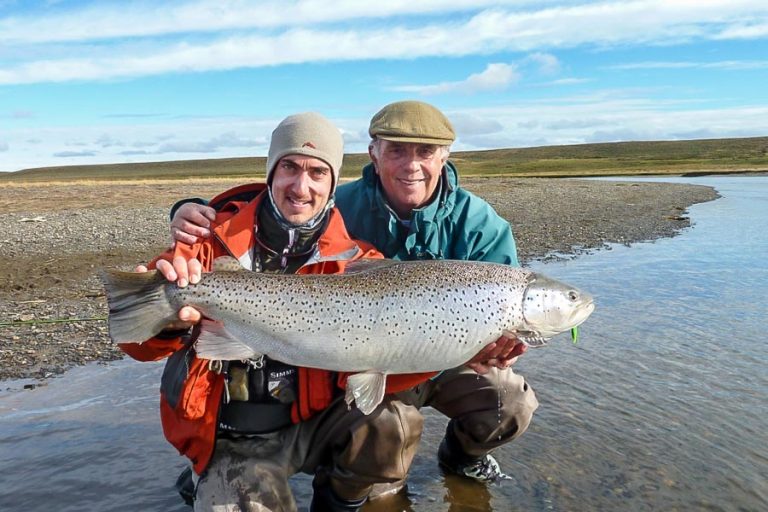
point(343, 448)
point(486, 411)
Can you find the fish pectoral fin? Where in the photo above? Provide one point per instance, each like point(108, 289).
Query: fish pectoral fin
point(366, 390)
point(218, 344)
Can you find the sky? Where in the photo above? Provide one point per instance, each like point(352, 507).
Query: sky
point(93, 82)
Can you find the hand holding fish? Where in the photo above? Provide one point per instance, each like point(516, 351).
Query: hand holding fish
point(182, 272)
point(501, 354)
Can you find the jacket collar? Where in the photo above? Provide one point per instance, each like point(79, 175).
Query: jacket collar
point(236, 231)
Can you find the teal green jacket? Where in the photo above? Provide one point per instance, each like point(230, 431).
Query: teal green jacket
point(456, 225)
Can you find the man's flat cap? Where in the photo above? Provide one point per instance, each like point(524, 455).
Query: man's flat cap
point(412, 121)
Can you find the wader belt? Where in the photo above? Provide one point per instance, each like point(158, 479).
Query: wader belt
point(253, 418)
point(259, 396)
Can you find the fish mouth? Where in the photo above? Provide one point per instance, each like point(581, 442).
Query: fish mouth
point(584, 312)
point(532, 339)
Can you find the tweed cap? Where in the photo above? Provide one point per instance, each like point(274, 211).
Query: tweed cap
point(412, 121)
point(308, 134)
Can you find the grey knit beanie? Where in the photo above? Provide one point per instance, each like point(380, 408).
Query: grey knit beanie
point(308, 134)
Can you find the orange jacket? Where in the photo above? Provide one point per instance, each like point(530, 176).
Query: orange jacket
point(191, 425)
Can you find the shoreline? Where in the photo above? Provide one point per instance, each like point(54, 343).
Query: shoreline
point(50, 292)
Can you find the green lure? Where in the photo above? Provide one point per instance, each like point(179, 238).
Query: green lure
point(574, 334)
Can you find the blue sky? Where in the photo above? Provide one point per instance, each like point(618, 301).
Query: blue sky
point(85, 82)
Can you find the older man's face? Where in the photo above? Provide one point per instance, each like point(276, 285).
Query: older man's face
point(301, 187)
point(409, 173)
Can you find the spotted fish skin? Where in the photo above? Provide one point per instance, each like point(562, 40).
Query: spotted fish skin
point(393, 317)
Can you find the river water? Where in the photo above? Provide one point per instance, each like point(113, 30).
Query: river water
point(662, 404)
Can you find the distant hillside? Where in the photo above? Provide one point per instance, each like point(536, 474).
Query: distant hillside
point(660, 157)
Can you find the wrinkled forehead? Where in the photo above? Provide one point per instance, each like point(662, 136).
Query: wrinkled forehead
point(398, 144)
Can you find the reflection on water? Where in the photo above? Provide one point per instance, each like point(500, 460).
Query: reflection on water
point(660, 406)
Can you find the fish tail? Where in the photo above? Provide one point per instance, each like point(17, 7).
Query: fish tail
point(139, 307)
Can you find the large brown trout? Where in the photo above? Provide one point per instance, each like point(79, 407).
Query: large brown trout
point(379, 318)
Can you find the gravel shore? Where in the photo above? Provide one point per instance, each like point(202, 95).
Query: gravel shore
point(53, 238)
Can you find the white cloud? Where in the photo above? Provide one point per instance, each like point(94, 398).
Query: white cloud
point(211, 145)
point(144, 144)
point(605, 115)
point(496, 76)
point(548, 63)
point(634, 118)
point(746, 31)
point(147, 19)
point(355, 137)
point(569, 81)
point(68, 154)
point(467, 125)
point(736, 65)
point(106, 141)
point(513, 29)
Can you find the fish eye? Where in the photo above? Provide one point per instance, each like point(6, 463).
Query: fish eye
point(573, 295)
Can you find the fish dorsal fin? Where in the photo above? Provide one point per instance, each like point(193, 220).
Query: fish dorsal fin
point(366, 264)
point(226, 264)
point(366, 390)
point(218, 344)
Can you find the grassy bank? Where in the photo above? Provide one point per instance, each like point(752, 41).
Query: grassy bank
point(627, 158)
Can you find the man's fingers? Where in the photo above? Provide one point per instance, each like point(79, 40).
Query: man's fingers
point(519, 349)
point(479, 368)
point(178, 235)
point(196, 213)
point(508, 346)
point(166, 268)
point(193, 215)
point(207, 212)
point(195, 270)
point(486, 353)
point(182, 271)
point(187, 232)
point(140, 268)
point(189, 315)
point(192, 221)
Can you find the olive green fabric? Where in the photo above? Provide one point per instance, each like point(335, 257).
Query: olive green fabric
point(341, 447)
point(412, 121)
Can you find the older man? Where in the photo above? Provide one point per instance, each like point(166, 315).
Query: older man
point(409, 205)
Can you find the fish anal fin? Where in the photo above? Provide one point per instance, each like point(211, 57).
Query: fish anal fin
point(218, 344)
point(366, 390)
